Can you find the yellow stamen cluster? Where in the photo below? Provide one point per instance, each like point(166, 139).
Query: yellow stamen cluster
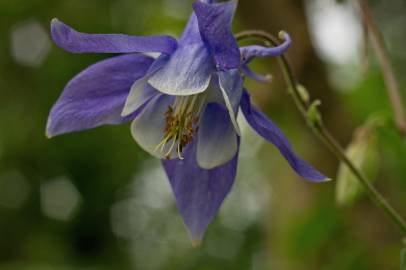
point(181, 124)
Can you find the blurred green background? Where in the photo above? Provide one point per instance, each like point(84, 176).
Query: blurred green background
point(95, 200)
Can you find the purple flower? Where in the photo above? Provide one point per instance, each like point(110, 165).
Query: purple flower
point(183, 104)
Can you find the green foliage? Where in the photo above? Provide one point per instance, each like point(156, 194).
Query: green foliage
point(313, 232)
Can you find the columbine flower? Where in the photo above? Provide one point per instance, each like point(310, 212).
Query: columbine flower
point(183, 104)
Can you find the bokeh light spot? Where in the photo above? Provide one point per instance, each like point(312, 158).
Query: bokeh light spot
point(30, 43)
point(59, 198)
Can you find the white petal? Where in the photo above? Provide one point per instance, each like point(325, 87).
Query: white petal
point(148, 128)
point(217, 139)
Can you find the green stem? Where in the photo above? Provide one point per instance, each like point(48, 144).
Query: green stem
point(321, 131)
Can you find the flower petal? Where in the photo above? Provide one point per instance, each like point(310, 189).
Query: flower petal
point(190, 67)
point(97, 95)
point(269, 131)
point(141, 91)
point(148, 128)
point(191, 34)
point(188, 71)
point(213, 92)
point(217, 140)
point(215, 28)
point(255, 76)
point(250, 52)
point(76, 42)
point(231, 85)
point(199, 193)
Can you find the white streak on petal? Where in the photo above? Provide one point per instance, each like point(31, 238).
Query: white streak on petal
point(231, 85)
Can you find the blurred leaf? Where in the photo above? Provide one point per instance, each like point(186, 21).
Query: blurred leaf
point(393, 148)
point(314, 232)
point(368, 97)
point(363, 151)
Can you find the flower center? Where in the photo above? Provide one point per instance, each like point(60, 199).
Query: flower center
point(181, 126)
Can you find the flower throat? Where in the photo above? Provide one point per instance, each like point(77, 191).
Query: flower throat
point(181, 125)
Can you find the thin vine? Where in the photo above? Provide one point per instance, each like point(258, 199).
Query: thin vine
point(318, 127)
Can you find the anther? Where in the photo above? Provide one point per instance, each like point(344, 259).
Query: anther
point(181, 127)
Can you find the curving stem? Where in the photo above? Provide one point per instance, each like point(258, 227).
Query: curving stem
point(319, 129)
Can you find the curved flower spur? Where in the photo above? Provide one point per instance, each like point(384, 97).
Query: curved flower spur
point(183, 104)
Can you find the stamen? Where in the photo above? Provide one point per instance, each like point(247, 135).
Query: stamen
point(181, 124)
point(171, 148)
point(179, 151)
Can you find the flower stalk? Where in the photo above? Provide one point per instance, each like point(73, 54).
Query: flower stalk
point(318, 127)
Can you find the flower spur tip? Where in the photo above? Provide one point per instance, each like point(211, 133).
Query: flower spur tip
point(268, 77)
point(284, 35)
point(196, 243)
point(48, 135)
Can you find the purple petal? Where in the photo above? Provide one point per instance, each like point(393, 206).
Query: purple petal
point(250, 52)
point(76, 42)
point(215, 28)
point(188, 71)
point(191, 34)
point(97, 95)
point(199, 193)
point(255, 76)
point(231, 85)
point(270, 132)
point(190, 67)
point(217, 140)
